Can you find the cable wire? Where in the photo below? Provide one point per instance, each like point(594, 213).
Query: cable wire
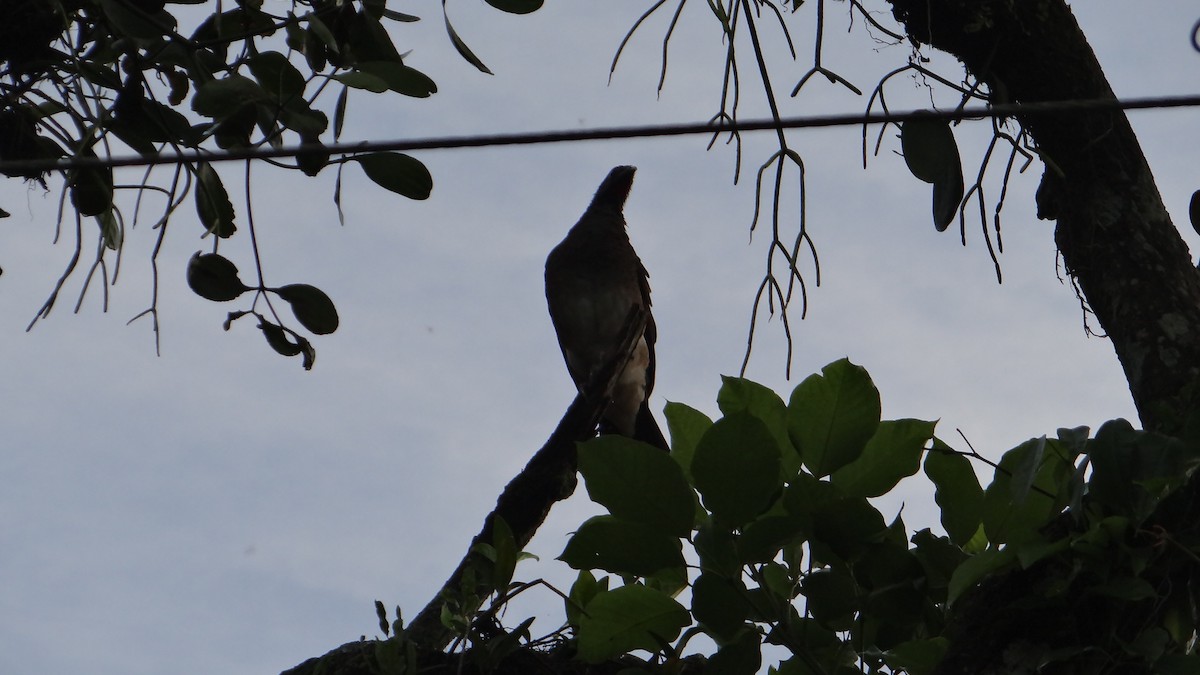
point(609, 133)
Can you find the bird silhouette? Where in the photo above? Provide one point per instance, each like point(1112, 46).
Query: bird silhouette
point(594, 279)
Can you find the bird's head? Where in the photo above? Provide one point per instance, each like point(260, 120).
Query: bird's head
point(613, 192)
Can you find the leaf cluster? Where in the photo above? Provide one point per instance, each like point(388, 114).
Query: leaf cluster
point(86, 80)
point(758, 529)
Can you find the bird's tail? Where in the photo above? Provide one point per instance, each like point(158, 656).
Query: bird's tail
point(646, 429)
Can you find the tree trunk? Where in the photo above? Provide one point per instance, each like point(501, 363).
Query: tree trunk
point(1113, 231)
point(1120, 247)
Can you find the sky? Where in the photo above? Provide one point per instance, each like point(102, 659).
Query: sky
point(217, 509)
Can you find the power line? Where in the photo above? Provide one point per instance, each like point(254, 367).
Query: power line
point(610, 133)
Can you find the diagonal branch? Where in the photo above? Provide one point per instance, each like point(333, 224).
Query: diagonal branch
point(549, 477)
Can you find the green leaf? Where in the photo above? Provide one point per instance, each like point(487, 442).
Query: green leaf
point(110, 230)
point(398, 173)
point(220, 99)
point(638, 483)
point(687, 425)
point(212, 202)
point(277, 76)
point(917, 657)
point(736, 468)
point(893, 453)
point(516, 6)
point(313, 309)
point(505, 546)
point(1009, 520)
point(738, 394)
point(719, 603)
point(1026, 469)
point(582, 591)
point(832, 415)
point(614, 545)
point(628, 618)
point(957, 493)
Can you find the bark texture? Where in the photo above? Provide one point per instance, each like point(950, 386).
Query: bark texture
point(1119, 245)
point(1116, 238)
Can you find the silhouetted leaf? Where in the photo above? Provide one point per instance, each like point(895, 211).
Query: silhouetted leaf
point(399, 78)
point(313, 156)
point(400, 16)
point(277, 76)
point(339, 113)
point(516, 6)
point(848, 526)
point(313, 309)
point(91, 188)
point(1194, 211)
point(398, 173)
point(719, 603)
point(947, 195)
point(214, 277)
point(361, 80)
point(928, 147)
point(300, 117)
point(740, 656)
point(832, 598)
point(222, 98)
point(212, 202)
point(139, 24)
point(932, 156)
point(278, 339)
point(463, 50)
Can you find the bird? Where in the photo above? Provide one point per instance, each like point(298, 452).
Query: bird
point(594, 279)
